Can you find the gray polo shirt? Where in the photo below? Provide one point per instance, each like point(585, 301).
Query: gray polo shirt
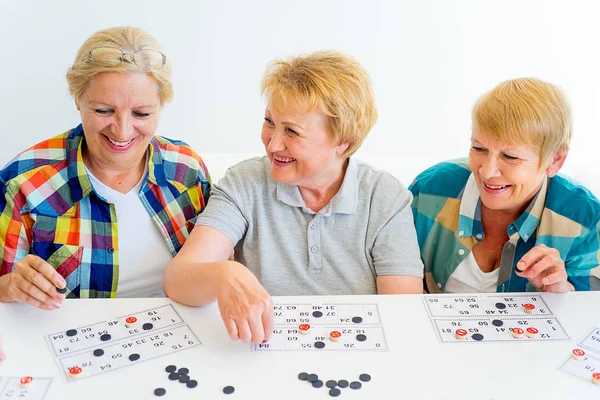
point(365, 231)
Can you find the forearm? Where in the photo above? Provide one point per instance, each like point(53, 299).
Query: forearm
point(193, 284)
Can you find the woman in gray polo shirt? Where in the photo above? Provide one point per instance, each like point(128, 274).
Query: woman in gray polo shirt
point(307, 219)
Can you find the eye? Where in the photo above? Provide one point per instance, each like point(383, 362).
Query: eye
point(268, 121)
point(510, 158)
point(478, 149)
point(140, 114)
point(291, 132)
point(103, 111)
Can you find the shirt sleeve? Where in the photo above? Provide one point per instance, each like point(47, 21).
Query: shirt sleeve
point(14, 234)
point(225, 209)
point(582, 263)
point(395, 250)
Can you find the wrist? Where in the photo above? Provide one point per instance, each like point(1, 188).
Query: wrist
point(4, 284)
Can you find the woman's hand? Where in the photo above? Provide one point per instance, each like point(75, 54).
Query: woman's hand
point(246, 307)
point(33, 281)
point(545, 269)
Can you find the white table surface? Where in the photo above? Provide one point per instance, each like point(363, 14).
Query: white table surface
point(417, 365)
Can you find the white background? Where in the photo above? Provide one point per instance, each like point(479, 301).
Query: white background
point(429, 60)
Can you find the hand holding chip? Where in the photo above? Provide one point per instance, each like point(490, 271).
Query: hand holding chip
point(246, 307)
point(545, 269)
point(35, 282)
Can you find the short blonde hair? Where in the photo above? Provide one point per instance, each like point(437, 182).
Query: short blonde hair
point(129, 40)
point(332, 81)
point(526, 111)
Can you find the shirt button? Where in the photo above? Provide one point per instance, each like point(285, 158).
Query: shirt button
point(439, 285)
point(461, 252)
point(479, 236)
point(110, 250)
point(525, 236)
point(461, 233)
point(313, 225)
point(313, 249)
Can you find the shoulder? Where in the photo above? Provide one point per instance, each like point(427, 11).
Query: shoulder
point(377, 181)
point(49, 155)
point(574, 201)
point(446, 179)
point(180, 162)
point(251, 172)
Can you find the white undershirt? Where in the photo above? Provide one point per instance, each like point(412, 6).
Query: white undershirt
point(469, 278)
point(143, 253)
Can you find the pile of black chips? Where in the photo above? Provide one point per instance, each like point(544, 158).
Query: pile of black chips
point(333, 386)
point(183, 376)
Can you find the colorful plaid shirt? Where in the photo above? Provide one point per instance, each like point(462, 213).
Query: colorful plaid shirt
point(447, 213)
point(50, 209)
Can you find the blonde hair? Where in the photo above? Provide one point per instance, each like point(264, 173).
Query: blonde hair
point(129, 40)
point(332, 81)
point(526, 111)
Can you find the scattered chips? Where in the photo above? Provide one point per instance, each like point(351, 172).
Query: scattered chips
point(228, 389)
point(355, 385)
point(131, 322)
point(532, 332)
point(106, 337)
point(529, 308)
point(75, 372)
point(171, 368)
point(304, 328)
point(159, 392)
point(460, 334)
point(517, 333)
point(26, 381)
point(335, 336)
point(192, 384)
point(478, 337)
point(578, 354)
point(343, 383)
point(98, 352)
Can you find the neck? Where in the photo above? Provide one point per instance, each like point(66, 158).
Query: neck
point(122, 179)
point(318, 196)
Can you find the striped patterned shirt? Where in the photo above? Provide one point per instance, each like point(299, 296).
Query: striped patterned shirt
point(447, 213)
point(50, 209)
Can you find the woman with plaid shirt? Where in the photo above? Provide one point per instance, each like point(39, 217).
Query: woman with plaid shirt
point(100, 210)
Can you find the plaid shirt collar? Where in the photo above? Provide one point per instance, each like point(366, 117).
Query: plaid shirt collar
point(79, 183)
point(469, 223)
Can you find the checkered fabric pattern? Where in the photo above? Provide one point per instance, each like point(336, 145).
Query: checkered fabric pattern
point(50, 209)
point(447, 213)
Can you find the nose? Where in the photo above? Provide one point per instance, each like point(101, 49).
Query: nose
point(275, 142)
point(123, 129)
point(489, 168)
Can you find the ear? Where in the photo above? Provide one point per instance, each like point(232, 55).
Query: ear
point(558, 159)
point(341, 148)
